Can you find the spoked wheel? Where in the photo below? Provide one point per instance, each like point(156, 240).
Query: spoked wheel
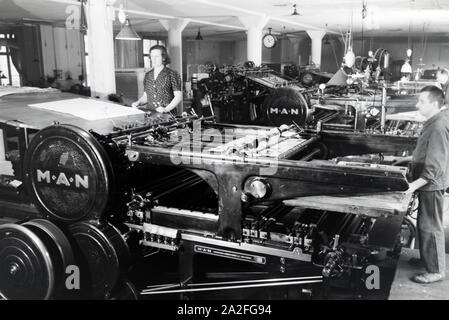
point(27, 270)
point(104, 256)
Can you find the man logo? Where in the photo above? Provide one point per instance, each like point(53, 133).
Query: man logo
point(284, 111)
point(61, 179)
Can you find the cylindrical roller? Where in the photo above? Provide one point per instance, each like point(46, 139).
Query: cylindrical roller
point(58, 246)
point(103, 256)
point(26, 267)
point(68, 174)
point(125, 290)
point(285, 106)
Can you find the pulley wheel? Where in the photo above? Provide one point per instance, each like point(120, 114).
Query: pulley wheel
point(285, 105)
point(125, 290)
point(68, 174)
point(103, 254)
point(26, 267)
point(58, 247)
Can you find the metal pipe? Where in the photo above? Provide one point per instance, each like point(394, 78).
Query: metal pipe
point(288, 283)
point(383, 110)
point(243, 281)
point(310, 155)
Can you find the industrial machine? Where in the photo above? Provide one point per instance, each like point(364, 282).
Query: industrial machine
point(91, 194)
point(355, 99)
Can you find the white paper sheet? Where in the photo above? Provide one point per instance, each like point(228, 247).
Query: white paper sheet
point(7, 90)
point(88, 109)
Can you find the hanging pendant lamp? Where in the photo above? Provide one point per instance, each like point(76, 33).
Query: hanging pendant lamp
point(199, 36)
point(127, 32)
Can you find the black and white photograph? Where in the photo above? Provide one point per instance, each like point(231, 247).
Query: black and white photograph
point(224, 155)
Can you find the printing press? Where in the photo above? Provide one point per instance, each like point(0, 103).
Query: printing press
point(95, 193)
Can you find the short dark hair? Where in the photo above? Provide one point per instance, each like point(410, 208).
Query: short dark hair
point(165, 57)
point(435, 94)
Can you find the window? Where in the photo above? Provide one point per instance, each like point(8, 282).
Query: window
point(8, 71)
point(147, 44)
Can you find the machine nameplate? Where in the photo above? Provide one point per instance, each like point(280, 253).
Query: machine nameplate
point(230, 254)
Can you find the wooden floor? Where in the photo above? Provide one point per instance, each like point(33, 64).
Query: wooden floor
point(403, 288)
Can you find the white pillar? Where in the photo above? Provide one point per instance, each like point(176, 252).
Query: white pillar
point(316, 36)
point(174, 46)
point(101, 48)
point(255, 25)
point(174, 43)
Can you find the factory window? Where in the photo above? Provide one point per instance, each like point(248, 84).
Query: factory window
point(147, 44)
point(8, 73)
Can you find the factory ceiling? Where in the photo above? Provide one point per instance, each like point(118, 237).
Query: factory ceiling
point(220, 19)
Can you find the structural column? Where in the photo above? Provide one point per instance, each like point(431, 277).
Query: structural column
point(317, 37)
point(101, 48)
point(254, 25)
point(174, 46)
point(174, 43)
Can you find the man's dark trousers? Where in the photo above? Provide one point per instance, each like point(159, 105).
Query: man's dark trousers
point(430, 230)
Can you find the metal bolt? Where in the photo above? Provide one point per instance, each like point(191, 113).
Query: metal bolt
point(234, 188)
point(282, 269)
point(13, 269)
point(282, 260)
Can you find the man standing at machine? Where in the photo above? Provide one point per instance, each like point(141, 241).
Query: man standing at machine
point(162, 85)
point(430, 171)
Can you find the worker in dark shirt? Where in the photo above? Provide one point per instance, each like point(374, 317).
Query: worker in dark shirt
point(162, 85)
point(430, 171)
point(443, 79)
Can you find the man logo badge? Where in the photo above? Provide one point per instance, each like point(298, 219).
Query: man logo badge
point(61, 179)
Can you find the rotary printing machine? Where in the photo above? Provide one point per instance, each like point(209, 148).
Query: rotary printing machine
point(94, 194)
point(354, 101)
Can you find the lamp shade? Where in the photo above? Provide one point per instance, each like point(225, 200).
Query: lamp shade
point(199, 36)
point(127, 32)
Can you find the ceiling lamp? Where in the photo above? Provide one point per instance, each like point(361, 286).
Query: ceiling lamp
point(127, 32)
point(121, 15)
point(364, 10)
point(295, 13)
point(199, 36)
point(409, 52)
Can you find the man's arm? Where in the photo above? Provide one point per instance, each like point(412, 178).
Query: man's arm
point(437, 155)
point(418, 183)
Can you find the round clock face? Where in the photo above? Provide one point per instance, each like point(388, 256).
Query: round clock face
point(269, 41)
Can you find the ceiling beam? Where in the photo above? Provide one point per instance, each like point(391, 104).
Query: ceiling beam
point(252, 12)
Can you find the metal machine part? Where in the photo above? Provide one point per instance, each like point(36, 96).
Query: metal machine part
point(103, 255)
point(201, 188)
point(68, 174)
point(33, 258)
